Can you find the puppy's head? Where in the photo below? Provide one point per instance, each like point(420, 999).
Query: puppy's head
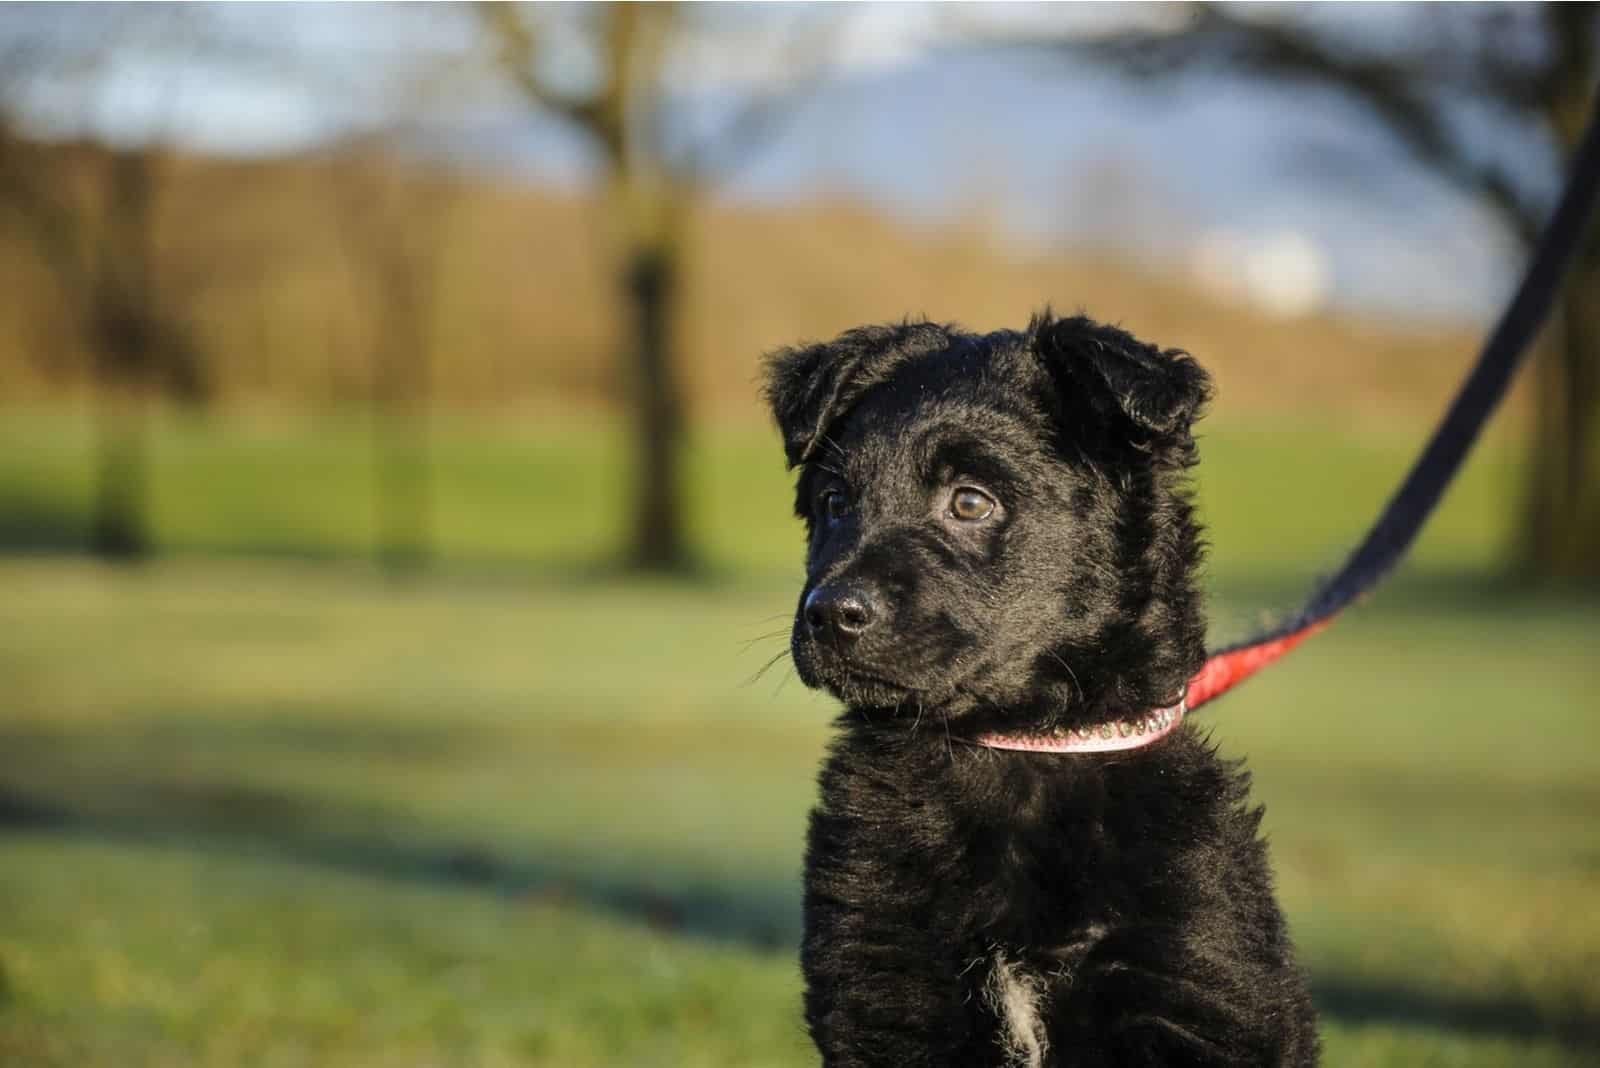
point(998, 525)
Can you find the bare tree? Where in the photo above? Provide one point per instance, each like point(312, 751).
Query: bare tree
point(139, 346)
point(650, 188)
point(89, 212)
point(1533, 65)
point(393, 216)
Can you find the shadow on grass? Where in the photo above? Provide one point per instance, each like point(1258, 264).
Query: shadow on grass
point(229, 818)
point(30, 525)
point(1363, 1003)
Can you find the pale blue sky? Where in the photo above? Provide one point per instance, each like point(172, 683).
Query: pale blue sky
point(1063, 154)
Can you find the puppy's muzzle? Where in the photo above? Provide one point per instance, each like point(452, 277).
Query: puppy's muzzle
point(839, 615)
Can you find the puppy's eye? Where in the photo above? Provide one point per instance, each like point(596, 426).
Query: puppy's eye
point(971, 504)
point(834, 505)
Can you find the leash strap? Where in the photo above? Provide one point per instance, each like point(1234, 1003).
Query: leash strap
point(1411, 504)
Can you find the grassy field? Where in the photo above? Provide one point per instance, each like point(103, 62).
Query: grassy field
point(1284, 499)
point(258, 806)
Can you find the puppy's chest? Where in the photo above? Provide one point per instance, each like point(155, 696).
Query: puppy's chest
point(951, 840)
point(976, 877)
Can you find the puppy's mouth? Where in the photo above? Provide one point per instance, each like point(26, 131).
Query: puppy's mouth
point(861, 689)
point(848, 678)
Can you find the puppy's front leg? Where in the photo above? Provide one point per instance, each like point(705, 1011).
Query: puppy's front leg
point(1147, 997)
point(888, 984)
point(873, 1004)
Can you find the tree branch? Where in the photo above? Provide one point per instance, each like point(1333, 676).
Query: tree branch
point(759, 119)
point(48, 223)
point(1393, 89)
point(517, 48)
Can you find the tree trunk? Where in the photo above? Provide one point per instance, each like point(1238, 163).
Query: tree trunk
point(405, 506)
point(121, 331)
point(658, 542)
point(1561, 539)
point(119, 528)
point(1561, 533)
point(402, 383)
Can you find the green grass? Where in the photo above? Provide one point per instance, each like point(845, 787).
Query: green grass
point(1282, 500)
point(284, 813)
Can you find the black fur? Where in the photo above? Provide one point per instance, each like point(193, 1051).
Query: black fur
point(947, 882)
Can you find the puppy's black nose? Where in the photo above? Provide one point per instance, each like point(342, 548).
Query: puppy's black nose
point(839, 611)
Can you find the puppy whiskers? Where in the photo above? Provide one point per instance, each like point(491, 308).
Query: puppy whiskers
point(744, 646)
point(783, 681)
point(769, 619)
point(753, 679)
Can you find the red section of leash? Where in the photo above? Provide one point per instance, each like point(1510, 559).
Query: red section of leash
point(1223, 671)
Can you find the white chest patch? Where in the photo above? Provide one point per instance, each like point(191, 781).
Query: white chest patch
point(1016, 995)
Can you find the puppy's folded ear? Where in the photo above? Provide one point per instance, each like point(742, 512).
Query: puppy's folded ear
point(1100, 369)
point(811, 386)
point(801, 383)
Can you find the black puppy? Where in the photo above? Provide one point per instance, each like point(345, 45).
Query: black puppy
point(1021, 855)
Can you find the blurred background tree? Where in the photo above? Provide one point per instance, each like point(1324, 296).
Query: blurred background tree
point(96, 237)
point(1534, 64)
point(650, 185)
point(397, 258)
point(393, 215)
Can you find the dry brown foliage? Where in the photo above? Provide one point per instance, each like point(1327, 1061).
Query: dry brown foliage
point(526, 319)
